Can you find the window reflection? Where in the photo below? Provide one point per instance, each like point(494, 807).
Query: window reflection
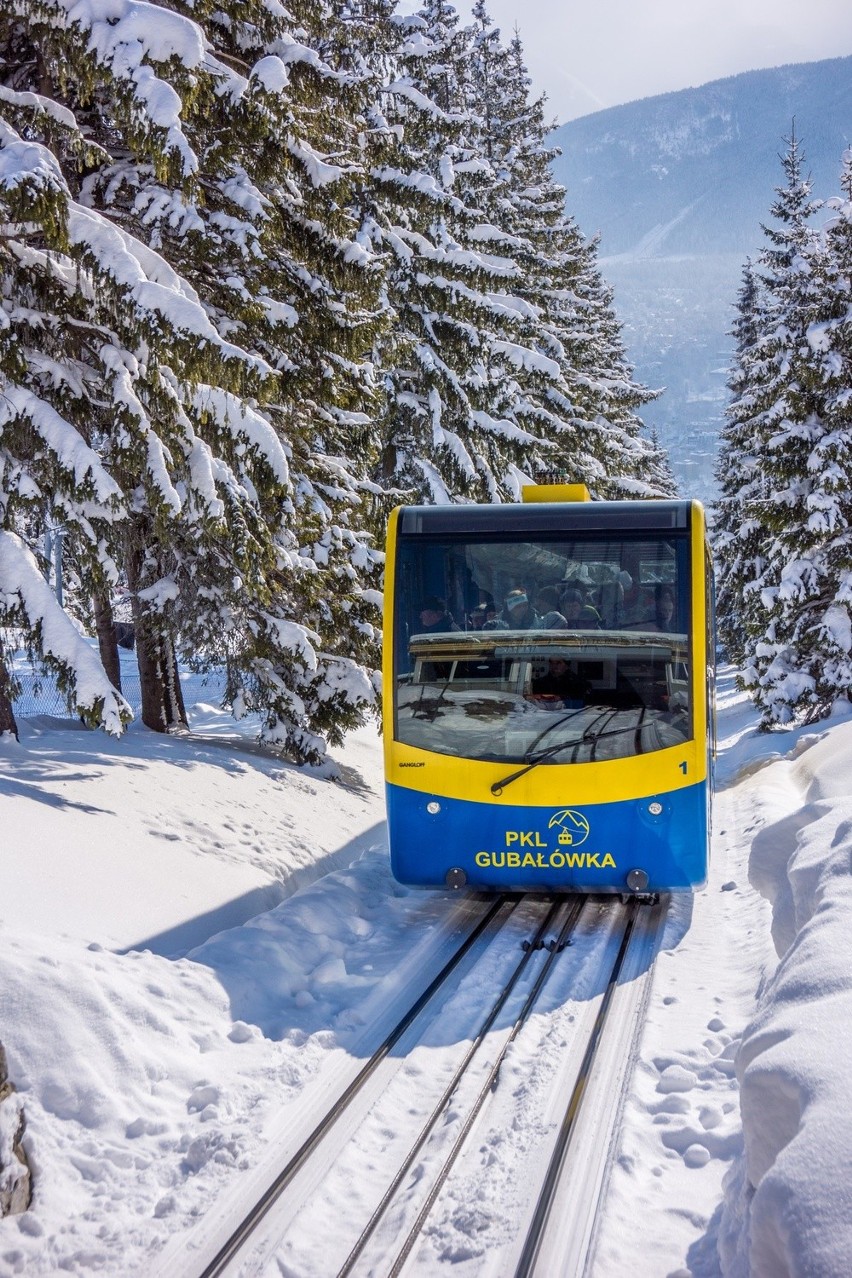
point(580, 645)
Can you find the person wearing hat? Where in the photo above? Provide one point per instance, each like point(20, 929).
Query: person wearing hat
point(519, 613)
point(579, 615)
point(434, 618)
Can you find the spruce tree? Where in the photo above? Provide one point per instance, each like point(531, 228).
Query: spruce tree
point(459, 344)
point(789, 415)
point(805, 661)
point(573, 389)
point(739, 533)
point(209, 222)
point(51, 407)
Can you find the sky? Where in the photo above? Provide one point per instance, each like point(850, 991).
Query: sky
point(590, 56)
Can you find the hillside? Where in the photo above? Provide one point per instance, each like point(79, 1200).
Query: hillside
point(677, 187)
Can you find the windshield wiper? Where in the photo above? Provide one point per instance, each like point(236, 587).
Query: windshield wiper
point(588, 738)
point(498, 786)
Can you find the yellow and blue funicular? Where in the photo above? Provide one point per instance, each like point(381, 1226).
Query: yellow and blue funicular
point(548, 694)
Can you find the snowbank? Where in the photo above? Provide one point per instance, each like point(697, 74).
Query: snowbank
point(788, 1208)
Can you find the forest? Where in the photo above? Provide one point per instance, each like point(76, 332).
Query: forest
point(266, 272)
point(782, 523)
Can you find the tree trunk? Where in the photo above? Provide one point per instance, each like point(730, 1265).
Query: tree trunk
point(7, 714)
point(162, 698)
point(175, 706)
point(159, 685)
point(105, 623)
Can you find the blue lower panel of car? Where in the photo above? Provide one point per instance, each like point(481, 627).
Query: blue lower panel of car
point(586, 849)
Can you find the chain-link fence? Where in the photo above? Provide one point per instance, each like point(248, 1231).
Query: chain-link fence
point(40, 695)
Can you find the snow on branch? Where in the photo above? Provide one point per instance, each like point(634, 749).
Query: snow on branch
point(291, 51)
point(158, 458)
point(451, 441)
point(422, 183)
point(458, 257)
point(128, 36)
point(320, 172)
point(27, 162)
point(41, 105)
point(238, 418)
point(288, 636)
point(405, 89)
point(501, 305)
point(438, 490)
point(342, 675)
point(523, 357)
point(61, 437)
point(271, 74)
point(23, 588)
point(153, 285)
point(502, 426)
point(151, 282)
point(485, 232)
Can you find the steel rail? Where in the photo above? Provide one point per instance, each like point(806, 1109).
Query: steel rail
point(263, 1204)
point(538, 1224)
point(448, 1093)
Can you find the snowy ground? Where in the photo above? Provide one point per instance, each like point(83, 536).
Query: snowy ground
point(192, 933)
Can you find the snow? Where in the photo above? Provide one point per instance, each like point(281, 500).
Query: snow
point(194, 933)
point(36, 102)
point(151, 282)
point(319, 171)
point(26, 162)
point(22, 587)
point(71, 450)
point(405, 89)
point(125, 35)
point(234, 415)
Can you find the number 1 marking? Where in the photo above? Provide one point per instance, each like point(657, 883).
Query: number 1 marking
point(683, 767)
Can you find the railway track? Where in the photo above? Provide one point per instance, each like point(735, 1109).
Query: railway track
point(500, 986)
point(561, 1234)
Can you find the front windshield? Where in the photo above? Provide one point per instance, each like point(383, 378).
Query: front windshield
point(569, 649)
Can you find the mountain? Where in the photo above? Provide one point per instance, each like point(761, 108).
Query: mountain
point(677, 187)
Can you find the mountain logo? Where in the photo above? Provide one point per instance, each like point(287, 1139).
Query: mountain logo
point(573, 827)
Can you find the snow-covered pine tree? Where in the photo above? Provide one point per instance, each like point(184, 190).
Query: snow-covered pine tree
point(657, 470)
point(51, 405)
point(809, 662)
point(792, 380)
point(627, 461)
point(572, 383)
point(739, 536)
point(146, 337)
point(452, 432)
point(315, 91)
point(238, 375)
